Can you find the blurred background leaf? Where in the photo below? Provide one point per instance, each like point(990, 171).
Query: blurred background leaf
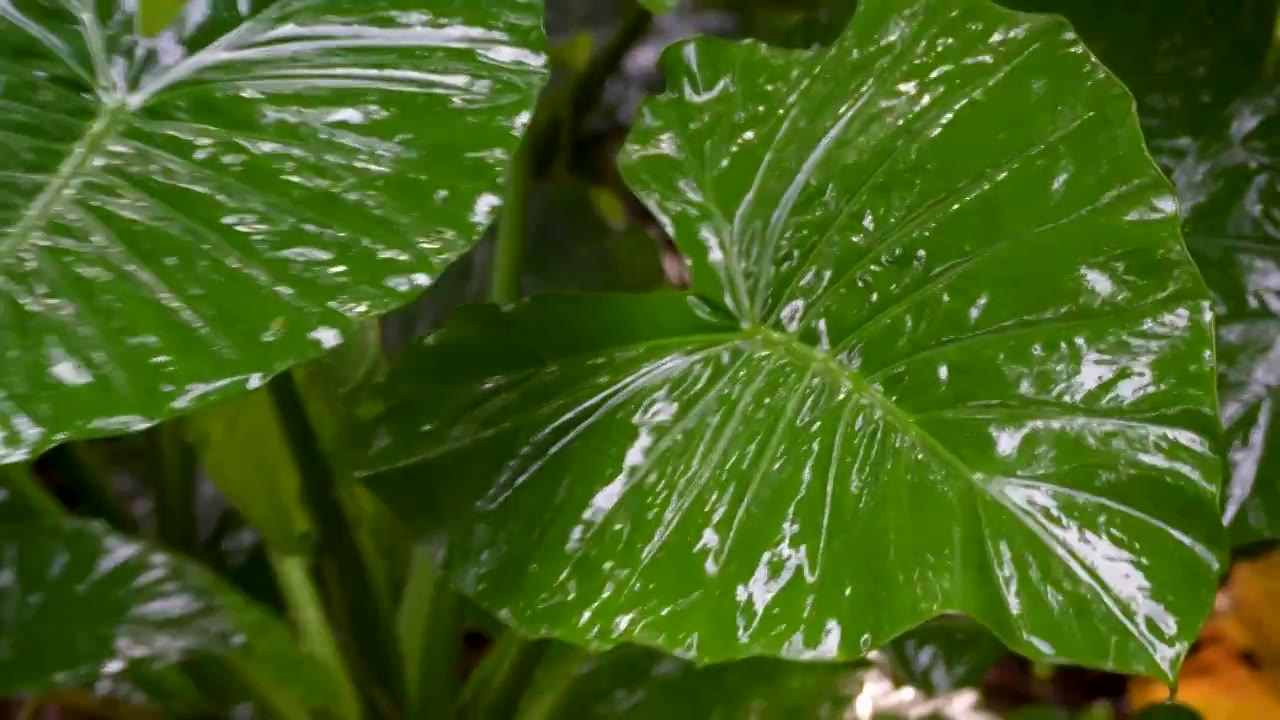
point(80, 604)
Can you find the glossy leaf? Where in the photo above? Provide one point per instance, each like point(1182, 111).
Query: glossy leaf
point(183, 215)
point(944, 356)
point(79, 603)
point(1229, 184)
point(637, 683)
point(1188, 64)
point(1182, 61)
point(944, 655)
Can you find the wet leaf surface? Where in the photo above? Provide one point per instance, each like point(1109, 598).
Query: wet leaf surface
point(1234, 673)
point(637, 683)
point(1183, 62)
point(80, 604)
point(944, 655)
point(867, 418)
point(1197, 69)
point(186, 213)
point(1229, 187)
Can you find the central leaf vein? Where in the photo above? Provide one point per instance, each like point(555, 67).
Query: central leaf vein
point(64, 180)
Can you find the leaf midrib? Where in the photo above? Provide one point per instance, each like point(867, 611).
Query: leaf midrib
point(864, 387)
point(907, 424)
point(36, 215)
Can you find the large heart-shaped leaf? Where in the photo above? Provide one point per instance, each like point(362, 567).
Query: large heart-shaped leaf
point(948, 353)
point(79, 603)
point(1230, 187)
point(185, 214)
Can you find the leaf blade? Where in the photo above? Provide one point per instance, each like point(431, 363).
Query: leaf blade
point(1227, 182)
point(964, 346)
point(82, 602)
point(247, 185)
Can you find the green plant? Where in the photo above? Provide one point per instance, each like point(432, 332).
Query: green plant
point(932, 345)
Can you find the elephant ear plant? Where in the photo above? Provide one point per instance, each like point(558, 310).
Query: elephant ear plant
point(942, 352)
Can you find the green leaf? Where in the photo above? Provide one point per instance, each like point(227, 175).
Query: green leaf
point(944, 655)
point(185, 215)
point(244, 452)
point(1229, 184)
point(637, 683)
point(155, 15)
point(168, 689)
point(79, 603)
point(1183, 61)
point(948, 354)
point(1188, 65)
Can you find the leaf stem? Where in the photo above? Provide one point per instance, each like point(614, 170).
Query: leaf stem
point(346, 581)
point(430, 638)
point(556, 674)
point(172, 470)
point(508, 257)
point(277, 704)
point(19, 480)
point(554, 121)
point(494, 690)
point(307, 613)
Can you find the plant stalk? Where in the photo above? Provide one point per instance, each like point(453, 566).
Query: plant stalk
point(345, 580)
point(277, 704)
point(173, 474)
point(307, 612)
point(495, 688)
point(552, 126)
point(18, 479)
point(430, 635)
point(550, 687)
point(508, 256)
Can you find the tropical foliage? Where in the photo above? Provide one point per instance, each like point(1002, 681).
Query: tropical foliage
point(715, 358)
